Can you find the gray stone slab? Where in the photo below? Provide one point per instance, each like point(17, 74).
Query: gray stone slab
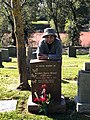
point(12, 51)
point(5, 55)
point(89, 52)
point(1, 66)
point(84, 87)
point(71, 51)
point(87, 66)
point(8, 105)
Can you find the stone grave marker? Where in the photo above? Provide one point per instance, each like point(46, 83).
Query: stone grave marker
point(47, 73)
point(1, 59)
point(30, 54)
point(89, 52)
point(71, 51)
point(12, 51)
point(8, 105)
point(5, 55)
point(83, 94)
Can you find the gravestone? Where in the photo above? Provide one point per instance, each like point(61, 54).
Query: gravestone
point(1, 59)
point(34, 53)
point(47, 73)
point(83, 98)
point(5, 55)
point(71, 51)
point(87, 66)
point(8, 105)
point(89, 52)
point(29, 56)
point(12, 51)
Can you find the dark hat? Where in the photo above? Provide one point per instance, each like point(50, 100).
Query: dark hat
point(49, 31)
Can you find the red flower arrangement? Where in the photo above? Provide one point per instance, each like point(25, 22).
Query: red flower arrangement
point(44, 100)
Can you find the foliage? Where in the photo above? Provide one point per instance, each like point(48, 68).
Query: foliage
point(66, 41)
point(73, 33)
point(76, 17)
point(6, 40)
point(54, 11)
point(71, 14)
point(29, 12)
point(59, 11)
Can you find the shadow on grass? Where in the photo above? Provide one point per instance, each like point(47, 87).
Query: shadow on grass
point(11, 67)
point(63, 81)
point(70, 107)
point(71, 113)
point(68, 79)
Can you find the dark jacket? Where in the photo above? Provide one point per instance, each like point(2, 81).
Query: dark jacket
point(53, 51)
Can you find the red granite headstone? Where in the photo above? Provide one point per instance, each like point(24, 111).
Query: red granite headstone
point(48, 73)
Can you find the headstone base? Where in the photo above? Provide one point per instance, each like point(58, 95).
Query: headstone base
point(55, 107)
point(83, 107)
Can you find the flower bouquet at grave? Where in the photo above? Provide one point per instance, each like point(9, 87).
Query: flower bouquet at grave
point(43, 100)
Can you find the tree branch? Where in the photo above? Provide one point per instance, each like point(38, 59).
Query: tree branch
point(23, 3)
point(6, 3)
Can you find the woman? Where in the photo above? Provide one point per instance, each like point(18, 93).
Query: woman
point(50, 47)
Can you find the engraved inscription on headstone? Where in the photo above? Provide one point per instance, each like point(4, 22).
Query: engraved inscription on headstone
point(48, 73)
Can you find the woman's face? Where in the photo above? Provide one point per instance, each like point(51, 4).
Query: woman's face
point(50, 39)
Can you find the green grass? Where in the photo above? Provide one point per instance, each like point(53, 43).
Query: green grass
point(71, 66)
point(9, 80)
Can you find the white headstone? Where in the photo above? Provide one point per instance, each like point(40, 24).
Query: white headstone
point(8, 105)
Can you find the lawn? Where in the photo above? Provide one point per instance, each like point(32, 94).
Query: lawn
point(9, 80)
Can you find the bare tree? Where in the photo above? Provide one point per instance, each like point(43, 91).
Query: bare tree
point(21, 50)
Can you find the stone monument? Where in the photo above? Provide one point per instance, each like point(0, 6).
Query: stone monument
point(5, 55)
point(72, 51)
point(12, 51)
point(83, 97)
point(89, 52)
point(48, 73)
point(1, 66)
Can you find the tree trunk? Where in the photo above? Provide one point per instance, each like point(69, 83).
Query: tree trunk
point(13, 36)
point(55, 23)
point(21, 50)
